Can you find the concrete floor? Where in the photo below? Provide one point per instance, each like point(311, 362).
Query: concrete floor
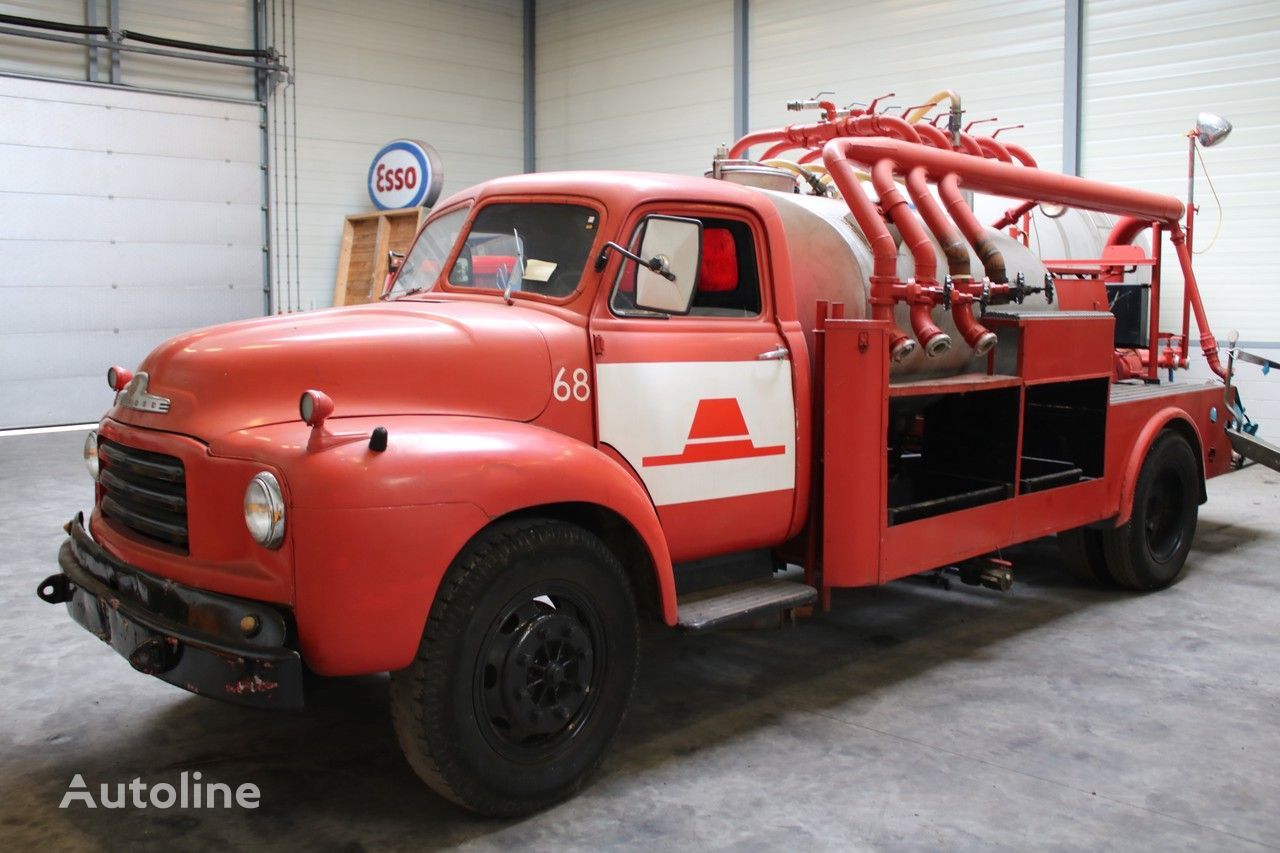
point(1055, 716)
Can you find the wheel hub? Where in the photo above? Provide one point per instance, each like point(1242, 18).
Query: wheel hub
point(546, 675)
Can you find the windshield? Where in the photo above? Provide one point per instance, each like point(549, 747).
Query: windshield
point(526, 248)
point(426, 260)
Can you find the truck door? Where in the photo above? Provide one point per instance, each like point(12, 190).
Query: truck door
point(701, 406)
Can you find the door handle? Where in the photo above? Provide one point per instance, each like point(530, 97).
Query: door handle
point(778, 353)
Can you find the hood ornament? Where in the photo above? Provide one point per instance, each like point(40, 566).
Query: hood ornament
point(135, 396)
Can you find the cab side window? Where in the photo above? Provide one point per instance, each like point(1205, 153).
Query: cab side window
point(728, 282)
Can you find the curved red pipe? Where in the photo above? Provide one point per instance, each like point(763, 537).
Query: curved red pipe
point(743, 145)
point(933, 339)
point(775, 150)
point(978, 337)
point(970, 145)
point(992, 260)
point(1208, 344)
point(1126, 230)
point(1021, 154)
point(884, 275)
point(932, 136)
point(913, 233)
point(991, 148)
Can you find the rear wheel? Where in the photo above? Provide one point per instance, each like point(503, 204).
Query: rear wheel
point(525, 669)
point(1084, 556)
point(1150, 550)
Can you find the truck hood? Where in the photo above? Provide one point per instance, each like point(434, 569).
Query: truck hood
point(407, 357)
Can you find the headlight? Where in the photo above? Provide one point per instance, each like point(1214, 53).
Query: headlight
point(91, 453)
point(264, 510)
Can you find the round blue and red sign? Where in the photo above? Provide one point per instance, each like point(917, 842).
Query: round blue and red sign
point(405, 173)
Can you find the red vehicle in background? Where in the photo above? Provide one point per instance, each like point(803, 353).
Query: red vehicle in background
point(593, 398)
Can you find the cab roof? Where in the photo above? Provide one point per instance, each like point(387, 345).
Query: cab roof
point(614, 188)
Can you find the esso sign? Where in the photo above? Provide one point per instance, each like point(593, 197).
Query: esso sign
point(405, 173)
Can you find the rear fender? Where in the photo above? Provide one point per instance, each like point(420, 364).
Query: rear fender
point(1170, 417)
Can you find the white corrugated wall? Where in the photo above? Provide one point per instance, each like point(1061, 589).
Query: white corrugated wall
point(1148, 71)
point(448, 73)
point(1005, 60)
point(623, 85)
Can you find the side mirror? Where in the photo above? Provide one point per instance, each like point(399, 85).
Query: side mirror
point(672, 249)
point(1211, 129)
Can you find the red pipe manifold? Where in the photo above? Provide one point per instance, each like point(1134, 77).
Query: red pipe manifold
point(815, 135)
point(998, 178)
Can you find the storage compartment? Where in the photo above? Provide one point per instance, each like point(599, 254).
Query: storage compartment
point(1064, 433)
point(949, 452)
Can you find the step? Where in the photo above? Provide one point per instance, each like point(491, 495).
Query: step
point(712, 608)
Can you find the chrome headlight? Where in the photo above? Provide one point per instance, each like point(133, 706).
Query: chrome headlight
point(264, 510)
point(91, 453)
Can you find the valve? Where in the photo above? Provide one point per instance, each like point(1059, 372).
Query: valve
point(947, 287)
point(1019, 290)
point(1048, 287)
point(985, 299)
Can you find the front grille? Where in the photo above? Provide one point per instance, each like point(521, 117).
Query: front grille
point(145, 492)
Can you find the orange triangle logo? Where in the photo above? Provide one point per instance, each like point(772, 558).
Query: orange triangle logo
point(719, 432)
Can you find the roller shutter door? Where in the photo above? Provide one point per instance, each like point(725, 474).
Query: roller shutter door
point(128, 217)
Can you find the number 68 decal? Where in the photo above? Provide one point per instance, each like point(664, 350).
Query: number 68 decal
point(580, 390)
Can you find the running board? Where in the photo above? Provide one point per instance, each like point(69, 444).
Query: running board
point(712, 608)
point(1252, 447)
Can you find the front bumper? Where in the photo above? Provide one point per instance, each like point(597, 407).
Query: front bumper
point(185, 636)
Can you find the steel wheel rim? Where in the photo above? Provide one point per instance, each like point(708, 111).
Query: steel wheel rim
point(537, 676)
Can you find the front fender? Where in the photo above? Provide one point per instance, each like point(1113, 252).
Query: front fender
point(374, 532)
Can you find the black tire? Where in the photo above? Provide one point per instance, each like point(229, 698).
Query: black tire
point(525, 670)
point(1084, 556)
point(1149, 551)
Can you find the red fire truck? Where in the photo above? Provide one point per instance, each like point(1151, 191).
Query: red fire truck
point(593, 398)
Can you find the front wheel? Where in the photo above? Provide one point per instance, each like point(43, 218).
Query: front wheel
point(1149, 551)
point(525, 669)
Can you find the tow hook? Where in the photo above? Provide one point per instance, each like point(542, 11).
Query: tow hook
point(55, 589)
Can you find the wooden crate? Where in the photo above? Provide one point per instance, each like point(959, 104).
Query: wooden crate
point(362, 259)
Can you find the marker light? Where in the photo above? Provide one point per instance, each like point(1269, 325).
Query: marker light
point(91, 453)
point(264, 510)
point(118, 378)
point(314, 407)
